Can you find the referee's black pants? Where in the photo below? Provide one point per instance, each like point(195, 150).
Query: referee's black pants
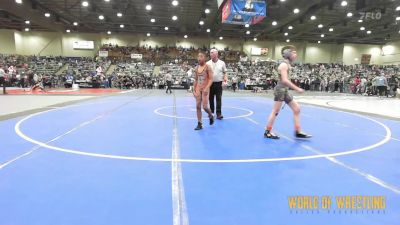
point(169, 84)
point(216, 93)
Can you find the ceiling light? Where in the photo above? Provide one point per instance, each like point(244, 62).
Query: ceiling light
point(344, 3)
point(121, 26)
point(320, 26)
point(220, 38)
point(68, 31)
point(101, 17)
point(201, 22)
point(274, 23)
point(246, 25)
point(27, 22)
point(47, 15)
point(398, 8)
point(283, 0)
point(207, 11)
point(75, 23)
point(369, 32)
point(330, 29)
point(208, 30)
point(248, 32)
point(85, 4)
point(322, 35)
point(148, 34)
point(255, 39)
point(313, 17)
point(349, 14)
point(175, 3)
point(319, 42)
point(174, 17)
point(119, 14)
point(286, 34)
point(148, 7)
point(287, 40)
point(362, 28)
point(296, 10)
point(398, 18)
point(152, 20)
point(185, 36)
point(27, 29)
point(18, 1)
point(108, 32)
point(360, 21)
point(166, 28)
point(107, 0)
point(290, 27)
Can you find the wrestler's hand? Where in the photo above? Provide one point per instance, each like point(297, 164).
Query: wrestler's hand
point(195, 93)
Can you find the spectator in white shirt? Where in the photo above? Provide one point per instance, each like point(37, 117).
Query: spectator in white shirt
point(99, 71)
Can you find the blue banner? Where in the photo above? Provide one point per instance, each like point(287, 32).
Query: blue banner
point(250, 7)
point(243, 12)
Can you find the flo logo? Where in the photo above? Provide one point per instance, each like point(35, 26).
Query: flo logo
point(370, 15)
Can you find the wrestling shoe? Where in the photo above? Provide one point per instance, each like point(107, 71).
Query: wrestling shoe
point(211, 120)
point(199, 126)
point(302, 135)
point(269, 134)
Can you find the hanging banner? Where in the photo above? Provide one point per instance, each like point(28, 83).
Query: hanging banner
point(365, 59)
point(103, 53)
point(86, 45)
point(136, 56)
point(243, 12)
point(250, 7)
point(259, 51)
point(220, 2)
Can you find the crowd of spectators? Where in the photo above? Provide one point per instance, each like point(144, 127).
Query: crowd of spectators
point(165, 55)
point(356, 79)
point(24, 71)
point(129, 74)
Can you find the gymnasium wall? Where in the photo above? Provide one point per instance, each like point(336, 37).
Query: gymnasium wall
point(195, 42)
point(57, 43)
point(323, 53)
point(233, 44)
point(38, 43)
point(391, 53)
point(68, 39)
point(247, 46)
point(352, 53)
point(7, 42)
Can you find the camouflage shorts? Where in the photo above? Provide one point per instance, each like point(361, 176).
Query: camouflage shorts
point(282, 94)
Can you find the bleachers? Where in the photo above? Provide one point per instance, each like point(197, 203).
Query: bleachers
point(314, 77)
point(135, 69)
point(165, 55)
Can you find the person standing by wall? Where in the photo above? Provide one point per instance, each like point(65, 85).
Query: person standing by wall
point(219, 71)
point(99, 71)
point(234, 83)
point(168, 80)
point(381, 85)
point(3, 78)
